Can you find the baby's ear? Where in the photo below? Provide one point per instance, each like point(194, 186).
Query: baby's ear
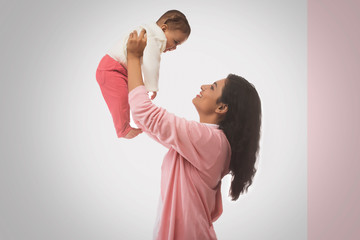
point(164, 27)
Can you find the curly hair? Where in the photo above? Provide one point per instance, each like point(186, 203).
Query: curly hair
point(241, 126)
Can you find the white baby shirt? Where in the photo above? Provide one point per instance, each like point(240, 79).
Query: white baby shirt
point(150, 62)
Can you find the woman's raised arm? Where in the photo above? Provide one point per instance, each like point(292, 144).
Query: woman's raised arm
point(198, 143)
point(135, 48)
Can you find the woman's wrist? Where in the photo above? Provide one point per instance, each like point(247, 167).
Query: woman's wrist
point(134, 72)
point(133, 57)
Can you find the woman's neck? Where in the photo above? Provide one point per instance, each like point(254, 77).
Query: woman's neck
point(209, 119)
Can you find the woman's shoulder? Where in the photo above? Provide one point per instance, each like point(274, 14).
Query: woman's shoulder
point(208, 133)
point(213, 145)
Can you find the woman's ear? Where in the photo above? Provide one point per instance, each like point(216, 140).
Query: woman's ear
point(222, 108)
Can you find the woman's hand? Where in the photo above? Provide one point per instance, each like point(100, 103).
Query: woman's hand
point(136, 44)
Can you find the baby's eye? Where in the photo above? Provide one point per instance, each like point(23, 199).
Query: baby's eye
point(212, 88)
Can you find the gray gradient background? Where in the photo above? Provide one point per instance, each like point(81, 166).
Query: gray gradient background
point(63, 172)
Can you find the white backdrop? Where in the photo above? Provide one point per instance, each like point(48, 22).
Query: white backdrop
point(63, 172)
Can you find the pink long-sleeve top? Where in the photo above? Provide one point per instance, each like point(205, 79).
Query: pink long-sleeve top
point(191, 172)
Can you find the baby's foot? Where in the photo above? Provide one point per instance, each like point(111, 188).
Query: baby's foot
point(133, 133)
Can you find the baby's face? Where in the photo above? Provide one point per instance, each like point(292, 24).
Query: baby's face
point(174, 38)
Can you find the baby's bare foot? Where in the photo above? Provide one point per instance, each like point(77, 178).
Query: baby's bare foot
point(133, 133)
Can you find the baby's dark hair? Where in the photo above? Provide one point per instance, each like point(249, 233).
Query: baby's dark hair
point(175, 20)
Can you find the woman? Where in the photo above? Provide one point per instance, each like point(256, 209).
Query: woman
point(226, 140)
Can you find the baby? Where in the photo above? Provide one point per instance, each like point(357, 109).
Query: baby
point(171, 30)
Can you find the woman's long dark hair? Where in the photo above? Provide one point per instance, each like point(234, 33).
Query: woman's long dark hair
point(241, 126)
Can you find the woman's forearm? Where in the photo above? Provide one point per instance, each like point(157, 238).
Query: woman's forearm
point(135, 48)
point(134, 72)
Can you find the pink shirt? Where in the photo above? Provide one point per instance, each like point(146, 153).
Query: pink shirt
point(191, 172)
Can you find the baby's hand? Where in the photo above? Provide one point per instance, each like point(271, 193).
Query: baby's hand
point(153, 96)
point(133, 133)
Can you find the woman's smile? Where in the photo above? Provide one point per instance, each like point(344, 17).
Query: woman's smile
point(206, 101)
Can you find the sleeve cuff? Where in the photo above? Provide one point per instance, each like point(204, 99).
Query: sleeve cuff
point(136, 93)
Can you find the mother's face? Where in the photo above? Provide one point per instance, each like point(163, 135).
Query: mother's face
point(206, 101)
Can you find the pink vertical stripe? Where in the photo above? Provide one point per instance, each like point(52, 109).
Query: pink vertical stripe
point(333, 120)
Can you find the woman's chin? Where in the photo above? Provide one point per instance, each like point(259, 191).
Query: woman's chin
point(195, 102)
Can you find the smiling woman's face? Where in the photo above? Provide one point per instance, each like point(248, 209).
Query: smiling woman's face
point(206, 101)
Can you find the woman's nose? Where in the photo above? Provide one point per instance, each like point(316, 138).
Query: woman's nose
point(203, 87)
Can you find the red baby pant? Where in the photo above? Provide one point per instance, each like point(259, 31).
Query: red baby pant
point(113, 81)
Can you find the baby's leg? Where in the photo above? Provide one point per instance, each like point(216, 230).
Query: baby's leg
point(112, 79)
